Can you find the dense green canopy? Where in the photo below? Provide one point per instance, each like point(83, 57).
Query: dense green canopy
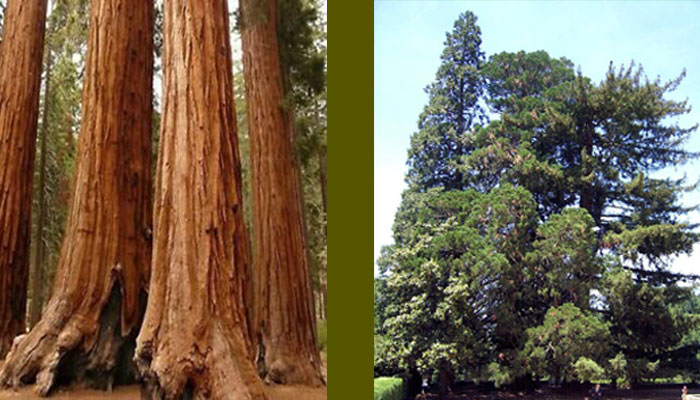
point(453, 108)
point(552, 214)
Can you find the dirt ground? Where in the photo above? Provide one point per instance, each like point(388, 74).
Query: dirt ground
point(133, 393)
point(670, 392)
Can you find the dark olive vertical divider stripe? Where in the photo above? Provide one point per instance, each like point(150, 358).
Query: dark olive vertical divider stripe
point(350, 215)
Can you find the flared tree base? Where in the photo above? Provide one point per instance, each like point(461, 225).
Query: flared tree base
point(63, 349)
point(180, 367)
point(292, 370)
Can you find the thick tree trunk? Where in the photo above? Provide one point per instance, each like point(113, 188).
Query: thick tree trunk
point(444, 382)
point(37, 276)
point(96, 305)
point(284, 318)
point(194, 342)
point(20, 78)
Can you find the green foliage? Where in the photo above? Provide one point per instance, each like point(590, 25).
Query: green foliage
point(554, 202)
point(623, 136)
point(380, 344)
point(640, 368)
point(514, 79)
point(563, 258)
point(301, 36)
point(302, 50)
point(322, 335)
point(453, 108)
point(567, 335)
point(243, 145)
point(452, 284)
point(66, 38)
point(388, 389)
point(380, 304)
point(644, 322)
point(593, 145)
point(587, 370)
point(499, 374)
point(618, 365)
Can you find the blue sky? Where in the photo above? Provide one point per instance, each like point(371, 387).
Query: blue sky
point(664, 37)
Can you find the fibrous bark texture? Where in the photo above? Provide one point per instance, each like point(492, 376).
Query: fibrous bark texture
point(20, 77)
point(284, 316)
point(194, 341)
point(96, 305)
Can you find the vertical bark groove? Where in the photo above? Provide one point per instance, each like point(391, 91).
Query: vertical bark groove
point(194, 342)
point(105, 246)
point(20, 77)
point(284, 313)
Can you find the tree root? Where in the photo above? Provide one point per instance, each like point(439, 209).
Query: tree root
point(293, 370)
point(183, 367)
point(65, 348)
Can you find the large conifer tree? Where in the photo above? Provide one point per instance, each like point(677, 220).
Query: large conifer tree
point(283, 319)
point(195, 342)
point(453, 109)
point(97, 303)
point(20, 76)
point(586, 155)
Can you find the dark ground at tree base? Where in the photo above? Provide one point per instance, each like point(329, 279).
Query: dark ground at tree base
point(657, 392)
point(133, 393)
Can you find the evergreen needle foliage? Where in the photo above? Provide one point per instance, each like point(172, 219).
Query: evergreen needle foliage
point(537, 244)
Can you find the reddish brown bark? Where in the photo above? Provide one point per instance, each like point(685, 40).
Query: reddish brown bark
point(194, 341)
point(95, 307)
point(284, 317)
point(20, 76)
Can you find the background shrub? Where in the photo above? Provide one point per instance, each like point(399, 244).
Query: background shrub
point(388, 389)
point(322, 335)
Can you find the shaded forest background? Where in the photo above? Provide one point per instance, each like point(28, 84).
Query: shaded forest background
point(302, 37)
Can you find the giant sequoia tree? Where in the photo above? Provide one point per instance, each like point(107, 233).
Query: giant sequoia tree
point(94, 312)
point(302, 41)
point(20, 75)
point(453, 108)
point(194, 342)
point(283, 318)
point(588, 156)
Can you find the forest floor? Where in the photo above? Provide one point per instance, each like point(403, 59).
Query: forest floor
point(132, 392)
point(670, 392)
